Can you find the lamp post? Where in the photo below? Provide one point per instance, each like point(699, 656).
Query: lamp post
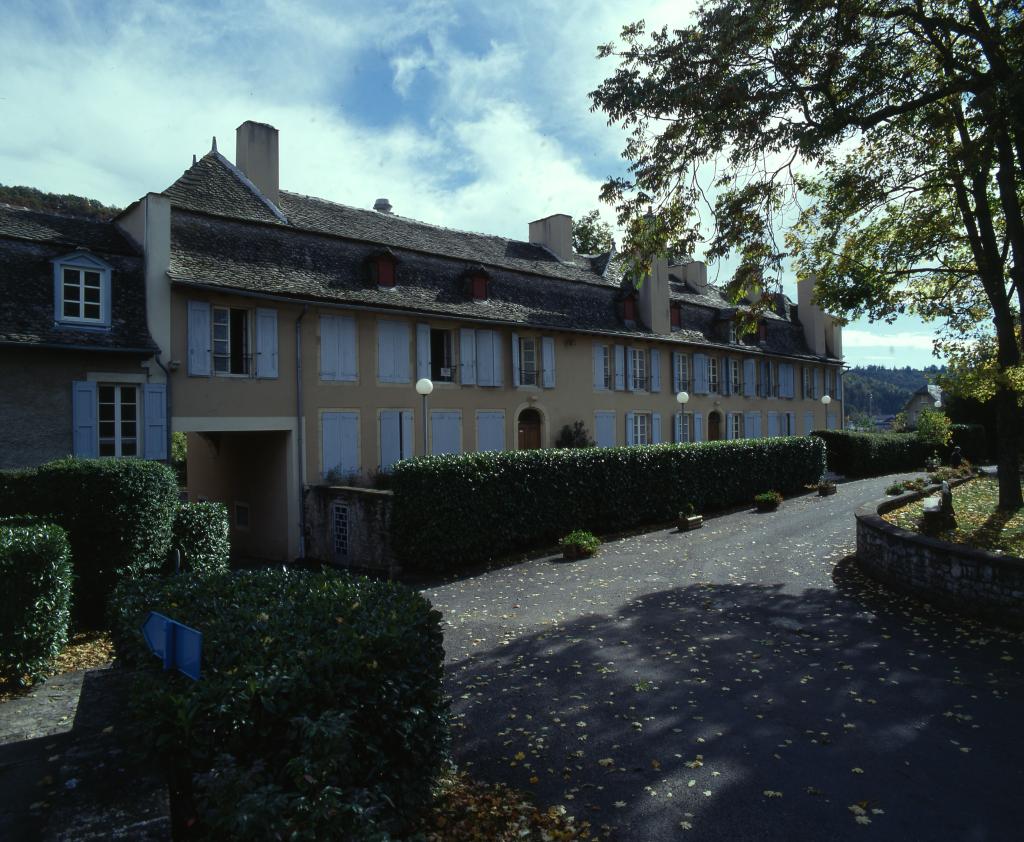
point(424, 386)
point(682, 398)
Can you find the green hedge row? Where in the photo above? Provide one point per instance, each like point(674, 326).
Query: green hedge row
point(35, 600)
point(118, 514)
point(201, 535)
point(873, 454)
point(319, 713)
point(454, 510)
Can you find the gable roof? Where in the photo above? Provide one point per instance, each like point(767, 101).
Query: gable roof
point(29, 241)
point(225, 235)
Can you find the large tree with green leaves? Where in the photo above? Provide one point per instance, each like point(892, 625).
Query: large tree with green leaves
point(884, 137)
point(591, 235)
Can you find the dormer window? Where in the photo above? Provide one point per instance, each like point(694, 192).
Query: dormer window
point(676, 312)
point(762, 332)
point(478, 284)
point(733, 333)
point(382, 269)
point(629, 310)
point(81, 284)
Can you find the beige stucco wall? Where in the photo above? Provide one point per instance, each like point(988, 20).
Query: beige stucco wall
point(35, 407)
point(574, 398)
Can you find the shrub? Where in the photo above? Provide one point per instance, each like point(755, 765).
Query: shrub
point(580, 542)
point(872, 454)
point(457, 510)
point(933, 428)
point(118, 514)
point(767, 500)
point(971, 440)
point(201, 535)
point(320, 711)
point(35, 601)
point(895, 488)
point(574, 435)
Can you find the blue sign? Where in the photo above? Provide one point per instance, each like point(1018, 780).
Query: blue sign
point(177, 645)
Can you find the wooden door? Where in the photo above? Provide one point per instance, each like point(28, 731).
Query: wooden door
point(529, 429)
point(714, 426)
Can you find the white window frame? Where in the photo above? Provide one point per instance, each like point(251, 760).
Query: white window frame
point(639, 367)
point(685, 381)
point(736, 376)
point(687, 428)
point(607, 363)
point(247, 354)
point(733, 333)
point(449, 343)
point(642, 428)
point(81, 263)
point(118, 439)
point(737, 424)
point(713, 383)
point(529, 371)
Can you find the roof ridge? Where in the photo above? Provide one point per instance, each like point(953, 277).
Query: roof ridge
point(244, 179)
point(62, 214)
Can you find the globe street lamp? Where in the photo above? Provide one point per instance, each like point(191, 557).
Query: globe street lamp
point(683, 398)
point(424, 386)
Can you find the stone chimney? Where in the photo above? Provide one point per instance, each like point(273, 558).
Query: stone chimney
point(695, 274)
point(382, 206)
point(256, 156)
point(555, 233)
point(811, 316)
point(653, 299)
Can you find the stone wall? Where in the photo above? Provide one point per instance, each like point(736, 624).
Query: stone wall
point(350, 527)
point(953, 576)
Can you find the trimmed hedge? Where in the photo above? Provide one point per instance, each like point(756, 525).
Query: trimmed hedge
point(450, 511)
point(118, 514)
point(202, 536)
point(35, 600)
point(873, 454)
point(319, 713)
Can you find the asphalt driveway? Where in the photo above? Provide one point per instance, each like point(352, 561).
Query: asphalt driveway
point(742, 682)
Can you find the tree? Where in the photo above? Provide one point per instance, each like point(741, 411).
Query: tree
point(590, 235)
point(885, 135)
point(33, 199)
point(934, 428)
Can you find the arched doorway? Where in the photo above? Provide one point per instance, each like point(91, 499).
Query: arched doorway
point(529, 429)
point(714, 426)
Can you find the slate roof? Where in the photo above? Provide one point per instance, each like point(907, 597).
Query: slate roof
point(224, 235)
point(29, 240)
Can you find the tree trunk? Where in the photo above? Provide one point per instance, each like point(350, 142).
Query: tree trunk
point(1007, 414)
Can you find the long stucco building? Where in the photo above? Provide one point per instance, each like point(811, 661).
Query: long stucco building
point(293, 330)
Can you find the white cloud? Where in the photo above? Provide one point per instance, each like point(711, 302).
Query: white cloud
point(854, 338)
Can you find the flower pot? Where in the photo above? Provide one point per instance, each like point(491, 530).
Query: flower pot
point(574, 553)
point(766, 507)
point(688, 522)
point(827, 490)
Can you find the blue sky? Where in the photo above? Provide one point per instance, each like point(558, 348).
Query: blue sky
point(472, 115)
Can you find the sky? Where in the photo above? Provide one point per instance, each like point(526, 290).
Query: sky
point(473, 115)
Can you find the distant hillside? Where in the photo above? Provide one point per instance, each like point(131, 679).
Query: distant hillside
point(890, 388)
point(29, 197)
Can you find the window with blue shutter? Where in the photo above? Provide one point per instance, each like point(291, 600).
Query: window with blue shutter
point(516, 380)
point(199, 339)
point(83, 419)
point(700, 374)
point(266, 343)
point(655, 370)
point(445, 431)
point(154, 416)
point(808, 422)
point(338, 352)
point(698, 427)
point(490, 430)
point(547, 355)
point(392, 351)
point(339, 445)
point(604, 427)
point(749, 379)
point(423, 367)
point(655, 428)
point(620, 368)
point(467, 356)
point(630, 433)
point(395, 437)
point(773, 424)
point(602, 367)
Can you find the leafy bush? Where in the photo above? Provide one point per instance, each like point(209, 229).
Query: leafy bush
point(118, 514)
point(767, 500)
point(320, 711)
point(945, 474)
point(934, 428)
point(574, 435)
point(894, 488)
point(529, 498)
point(201, 534)
point(872, 454)
point(580, 542)
point(35, 602)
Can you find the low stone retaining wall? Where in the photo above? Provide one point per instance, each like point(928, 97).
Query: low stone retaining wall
point(350, 527)
point(957, 577)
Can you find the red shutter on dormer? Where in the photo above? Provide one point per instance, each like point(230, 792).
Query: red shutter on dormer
point(385, 271)
point(629, 309)
point(478, 287)
point(762, 332)
point(677, 316)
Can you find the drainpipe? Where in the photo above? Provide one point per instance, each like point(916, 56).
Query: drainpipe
point(167, 374)
point(298, 427)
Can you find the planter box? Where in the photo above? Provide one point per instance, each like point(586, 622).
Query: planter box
point(688, 522)
point(766, 507)
point(827, 490)
point(575, 553)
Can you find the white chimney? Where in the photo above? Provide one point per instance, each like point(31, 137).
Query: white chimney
point(654, 298)
point(811, 316)
point(256, 156)
point(382, 206)
point(695, 273)
point(555, 233)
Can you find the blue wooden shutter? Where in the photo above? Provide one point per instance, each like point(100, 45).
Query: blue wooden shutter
point(655, 428)
point(839, 384)
point(655, 370)
point(199, 339)
point(749, 377)
point(488, 358)
point(422, 351)
point(773, 424)
point(629, 368)
point(467, 356)
point(408, 435)
point(728, 425)
point(817, 383)
point(266, 343)
point(676, 366)
point(698, 427)
point(490, 430)
point(445, 432)
point(547, 355)
point(629, 428)
point(348, 354)
point(700, 374)
point(330, 347)
point(605, 429)
point(84, 435)
point(808, 422)
point(678, 427)
point(516, 379)
point(600, 351)
point(339, 433)
point(154, 415)
point(830, 421)
point(786, 383)
point(620, 367)
point(390, 438)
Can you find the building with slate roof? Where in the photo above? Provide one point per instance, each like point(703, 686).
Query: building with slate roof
point(75, 353)
point(293, 331)
point(927, 397)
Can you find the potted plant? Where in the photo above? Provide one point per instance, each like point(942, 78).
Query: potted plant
point(767, 501)
point(826, 487)
point(579, 544)
point(688, 519)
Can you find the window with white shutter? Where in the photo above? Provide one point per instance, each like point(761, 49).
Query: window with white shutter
point(490, 430)
point(604, 427)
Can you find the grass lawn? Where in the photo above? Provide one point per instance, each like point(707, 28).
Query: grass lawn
point(979, 523)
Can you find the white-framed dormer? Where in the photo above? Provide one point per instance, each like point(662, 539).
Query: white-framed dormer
point(81, 290)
